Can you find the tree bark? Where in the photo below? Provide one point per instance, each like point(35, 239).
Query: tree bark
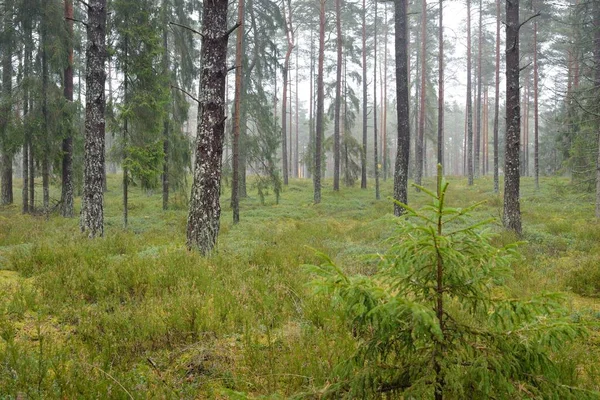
point(512, 210)
point(92, 211)
point(497, 100)
point(166, 127)
point(45, 117)
point(597, 86)
point(289, 33)
point(403, 151)
point(376, 156)
point(205, 208)
point(363, 154)
point(6, 189)
point(338, 97)
point(67, 207)
point(320, 106)
point(478, 135)
point(536, 150)
point(440, 153)
point(235, 199)
point(469, 100)
point(419, 156)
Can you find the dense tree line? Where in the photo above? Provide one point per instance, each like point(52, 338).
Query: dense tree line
point(140, 88)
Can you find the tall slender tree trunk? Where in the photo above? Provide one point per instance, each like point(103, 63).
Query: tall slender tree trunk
point(67, 208)
point(470, 170)
point(512, 209)
point(235, 200)
point(403, 143)
point(45, 116)
point(440, 141)
point(363, 154)
point(297, 141)
point(6, 189)
point(205, 208)
point(376, 156)
point(125, 139)
point(477, 162)
point(289, 33)
point(384, 102)
point(338, 97)
point(597, 86)
point(419, 156)
point(166, 127)
point(320, 105)
point(497, 100)
point(26, 108)
point(536, 150)
point(311, 117)
point(92, 210)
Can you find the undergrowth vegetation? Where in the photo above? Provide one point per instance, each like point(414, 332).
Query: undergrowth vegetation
point(135, 315)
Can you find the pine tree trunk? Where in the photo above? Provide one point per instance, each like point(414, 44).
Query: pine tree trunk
point(469, 100)
point(403, 152)
point(597, 86)
point(45, 118)
point(289, 32)
point(338, 97)
point(26, 145)
point(477, 162)
point(6, 190)
point(497, 101)
point(536, 153)
point(67, 207)
point(205, 208)
point(512, 211)
point(166, 127)
point(419, 155)
point(384, 102)
point(376, 156)
point(92, 210)
point(440, 141)
point(126, 137)
point(235, 200)
point(363, 154)
point(297, 144)
point(320, 106)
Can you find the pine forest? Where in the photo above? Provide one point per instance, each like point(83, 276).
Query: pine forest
point(300, 199)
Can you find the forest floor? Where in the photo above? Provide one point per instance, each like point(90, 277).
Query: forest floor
point(135, 315)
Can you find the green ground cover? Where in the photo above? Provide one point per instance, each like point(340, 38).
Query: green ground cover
point(135, 315)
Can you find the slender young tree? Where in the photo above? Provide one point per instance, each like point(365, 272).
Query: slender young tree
point(497, 100)
point(235, 198)
point(166, 125)
point(92, 209)
point(363, 156)
point(205, 208)
point(512, 208)
point(478, 133)
point(403, 143)
point(320, 105)
point(338, 96)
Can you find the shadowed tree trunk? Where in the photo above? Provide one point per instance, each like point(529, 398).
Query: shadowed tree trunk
point(497, 100)
point(92, 211)
point(45, 116)
point(440, 154)
point(338, 96)
point(469, 100)
point(166, 127)
point(478, 135)
point(421, 135)
point(235, 187)
point(6, 190)
point(536, 154)
point(512, 209)
point(205, 208)
point(376, 156)
point(597, 85)
point(289, 33)
point(67, 208)
point(363, 155)
point(320, 106)
point(403, 151)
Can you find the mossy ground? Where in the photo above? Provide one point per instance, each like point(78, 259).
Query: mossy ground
point(135, 315)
